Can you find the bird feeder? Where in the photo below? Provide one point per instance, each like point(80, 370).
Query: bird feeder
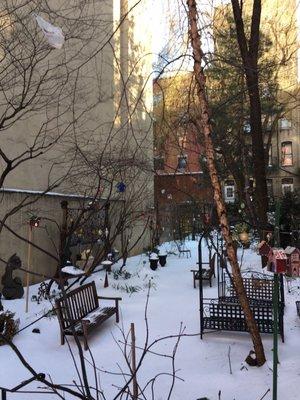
point(277, 261)
point(293, 261)
point(264, 248)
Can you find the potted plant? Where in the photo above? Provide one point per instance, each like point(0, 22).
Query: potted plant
point(162, 255)
point(153, 258)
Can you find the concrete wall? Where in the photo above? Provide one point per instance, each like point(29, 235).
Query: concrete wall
point(45, 236)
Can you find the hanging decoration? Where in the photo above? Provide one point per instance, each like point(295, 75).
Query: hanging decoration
point(53, 34)
point(121, 187)
point(91, 227)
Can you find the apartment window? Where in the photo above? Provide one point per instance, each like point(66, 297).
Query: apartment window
point(269, 126)
point(247, 127)
point(270, 157)
point(182, 141)
point(229, 192)
point(287, 185)
point(182, 162)
point(159, 163)
point(286, 154)
point(267, 120)
point(284, 123)
point(270, 187)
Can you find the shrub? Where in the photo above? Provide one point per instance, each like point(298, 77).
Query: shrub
point(8, 326)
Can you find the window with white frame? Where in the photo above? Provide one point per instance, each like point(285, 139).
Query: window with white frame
point(247, 127)
point(229, 191)
point(270, 157)
point(287, 185)
point(182, 162)
point(159, 163)
point(286, 154)
point(284, 123)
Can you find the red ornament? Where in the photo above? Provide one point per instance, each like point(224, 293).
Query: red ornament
point(34, 222)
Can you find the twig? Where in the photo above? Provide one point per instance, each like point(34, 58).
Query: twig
point(264, 395)
point(229, 360)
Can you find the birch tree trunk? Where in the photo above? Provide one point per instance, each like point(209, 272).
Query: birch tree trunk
point(205, 126)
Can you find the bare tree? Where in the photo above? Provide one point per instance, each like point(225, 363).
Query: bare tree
point(54, 116)
point(87, 386)
point(205, 126)
point(249, 53)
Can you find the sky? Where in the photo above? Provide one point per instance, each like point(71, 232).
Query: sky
point(163, 8)
point(161, 23)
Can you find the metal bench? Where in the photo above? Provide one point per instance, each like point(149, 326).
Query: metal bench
point(207, 273)
point(219, 315)
point(183, 251)
point(78, 311)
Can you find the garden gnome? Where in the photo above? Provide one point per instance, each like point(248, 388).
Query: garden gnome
point(12, 287)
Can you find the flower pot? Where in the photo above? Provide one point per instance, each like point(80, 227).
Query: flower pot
point(153, 263)
point(162, 259)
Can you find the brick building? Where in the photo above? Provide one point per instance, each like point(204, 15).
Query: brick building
point(181, 186)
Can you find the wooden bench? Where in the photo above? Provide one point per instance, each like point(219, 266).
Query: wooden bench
point(207, 273)
point(78, 311)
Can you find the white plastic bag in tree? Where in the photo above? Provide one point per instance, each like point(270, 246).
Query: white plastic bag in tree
point(53, 34)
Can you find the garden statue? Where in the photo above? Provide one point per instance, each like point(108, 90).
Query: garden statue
point(12, 287)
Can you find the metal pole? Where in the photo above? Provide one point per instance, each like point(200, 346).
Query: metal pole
point(275, 334)
point(218, 263)
point(3, 394)
point(275, 306)
point(281, 288)
point(200, 284)
point(28, 266)
point(133, 361)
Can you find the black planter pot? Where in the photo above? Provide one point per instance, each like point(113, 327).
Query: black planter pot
point(162, 260)
point(153, 264)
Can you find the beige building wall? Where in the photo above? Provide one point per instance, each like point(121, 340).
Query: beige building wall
point(279, 22)
point(106, 111)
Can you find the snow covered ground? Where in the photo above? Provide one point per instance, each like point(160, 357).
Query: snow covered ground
point(201, 365)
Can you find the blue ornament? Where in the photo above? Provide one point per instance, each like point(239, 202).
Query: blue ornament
point(121, 187)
